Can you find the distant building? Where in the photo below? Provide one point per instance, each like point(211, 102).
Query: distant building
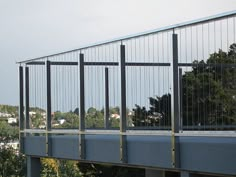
point(42, 126)
point(131, 113)
point(115, 116)
point(12, 120)
point(14, 145)
point(43, 115)
point(61, 121)
point(32, 113)
point(2, 114)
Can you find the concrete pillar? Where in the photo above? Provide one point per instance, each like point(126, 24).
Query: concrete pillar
point(33, 166)
point(154, 173)
point(185, 174)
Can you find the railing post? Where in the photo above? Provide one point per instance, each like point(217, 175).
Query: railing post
point(82, 109)
point(123, 148)
point(48, 126)
point(27, 124)
point(21, 108)
point(175, 105)
point(180, 100)
point(106, 110)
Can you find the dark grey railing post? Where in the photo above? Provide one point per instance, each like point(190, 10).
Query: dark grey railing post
point(21, 108)
point(175, 105)
point(106, 110)
point(180, 100)
point(48, 126)
point(27, 124)
point(123, 148)
point(82, 109)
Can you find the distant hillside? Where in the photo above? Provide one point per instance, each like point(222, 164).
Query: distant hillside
point(9, 109)
point(14, 109)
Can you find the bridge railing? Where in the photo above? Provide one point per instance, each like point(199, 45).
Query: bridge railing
point(176, 78)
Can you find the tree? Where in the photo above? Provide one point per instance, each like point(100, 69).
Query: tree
point(209, 95)
point(59, 168)
point(76, 111)
point(99, 170)
point(157, 115)
point(94, 118)
point(12, 163)
point(50, 167)
point(69, 168)
point(72, 119)
point(209, 90)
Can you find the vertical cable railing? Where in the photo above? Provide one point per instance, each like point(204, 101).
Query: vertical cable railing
point(207, 59)
point(206, 67)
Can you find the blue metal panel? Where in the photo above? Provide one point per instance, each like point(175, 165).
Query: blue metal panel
point(65, 147)
point(208, 154)
point(149, 151)
point(201, 154)
point(35, 145)
point(103, 148)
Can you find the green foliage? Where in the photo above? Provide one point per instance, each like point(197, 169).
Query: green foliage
point(59, 168)
point(94, 118)
point(9, 109)
point(50, 167)
point(209, 91)
point(115, 123)
point(209, 95)
point(158, 114)
point(72, 119)
point(69, 168)
point(8, 133)
point(98, 170)
point(37, 120)
point(11, 163)
point(115, 110)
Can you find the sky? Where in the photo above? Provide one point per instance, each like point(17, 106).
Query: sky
point(30, 28)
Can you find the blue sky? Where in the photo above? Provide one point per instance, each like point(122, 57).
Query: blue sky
point(30, 28)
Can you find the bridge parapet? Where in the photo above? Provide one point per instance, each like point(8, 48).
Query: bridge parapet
point(175, 82)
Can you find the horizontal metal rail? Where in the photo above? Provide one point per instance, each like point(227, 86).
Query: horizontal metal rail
point(201, 65)
point(53, 63)
point(172, 27)
point(99, 63)
point(146, 64)
point(131, 132)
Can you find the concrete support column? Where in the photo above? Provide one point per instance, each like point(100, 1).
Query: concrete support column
point(33, 166)
point(154, 173)
point(185, 174)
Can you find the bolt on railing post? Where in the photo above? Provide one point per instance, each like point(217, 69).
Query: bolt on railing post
point(175, 104)
point(106, 110)
point(27, 124)
point(123, 148)
point(82, 109)
point(49, 113)
point(21, 108)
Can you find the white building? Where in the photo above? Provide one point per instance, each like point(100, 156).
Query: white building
point(12, 120)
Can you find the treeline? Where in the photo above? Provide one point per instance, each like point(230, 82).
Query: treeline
point(208, 95)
